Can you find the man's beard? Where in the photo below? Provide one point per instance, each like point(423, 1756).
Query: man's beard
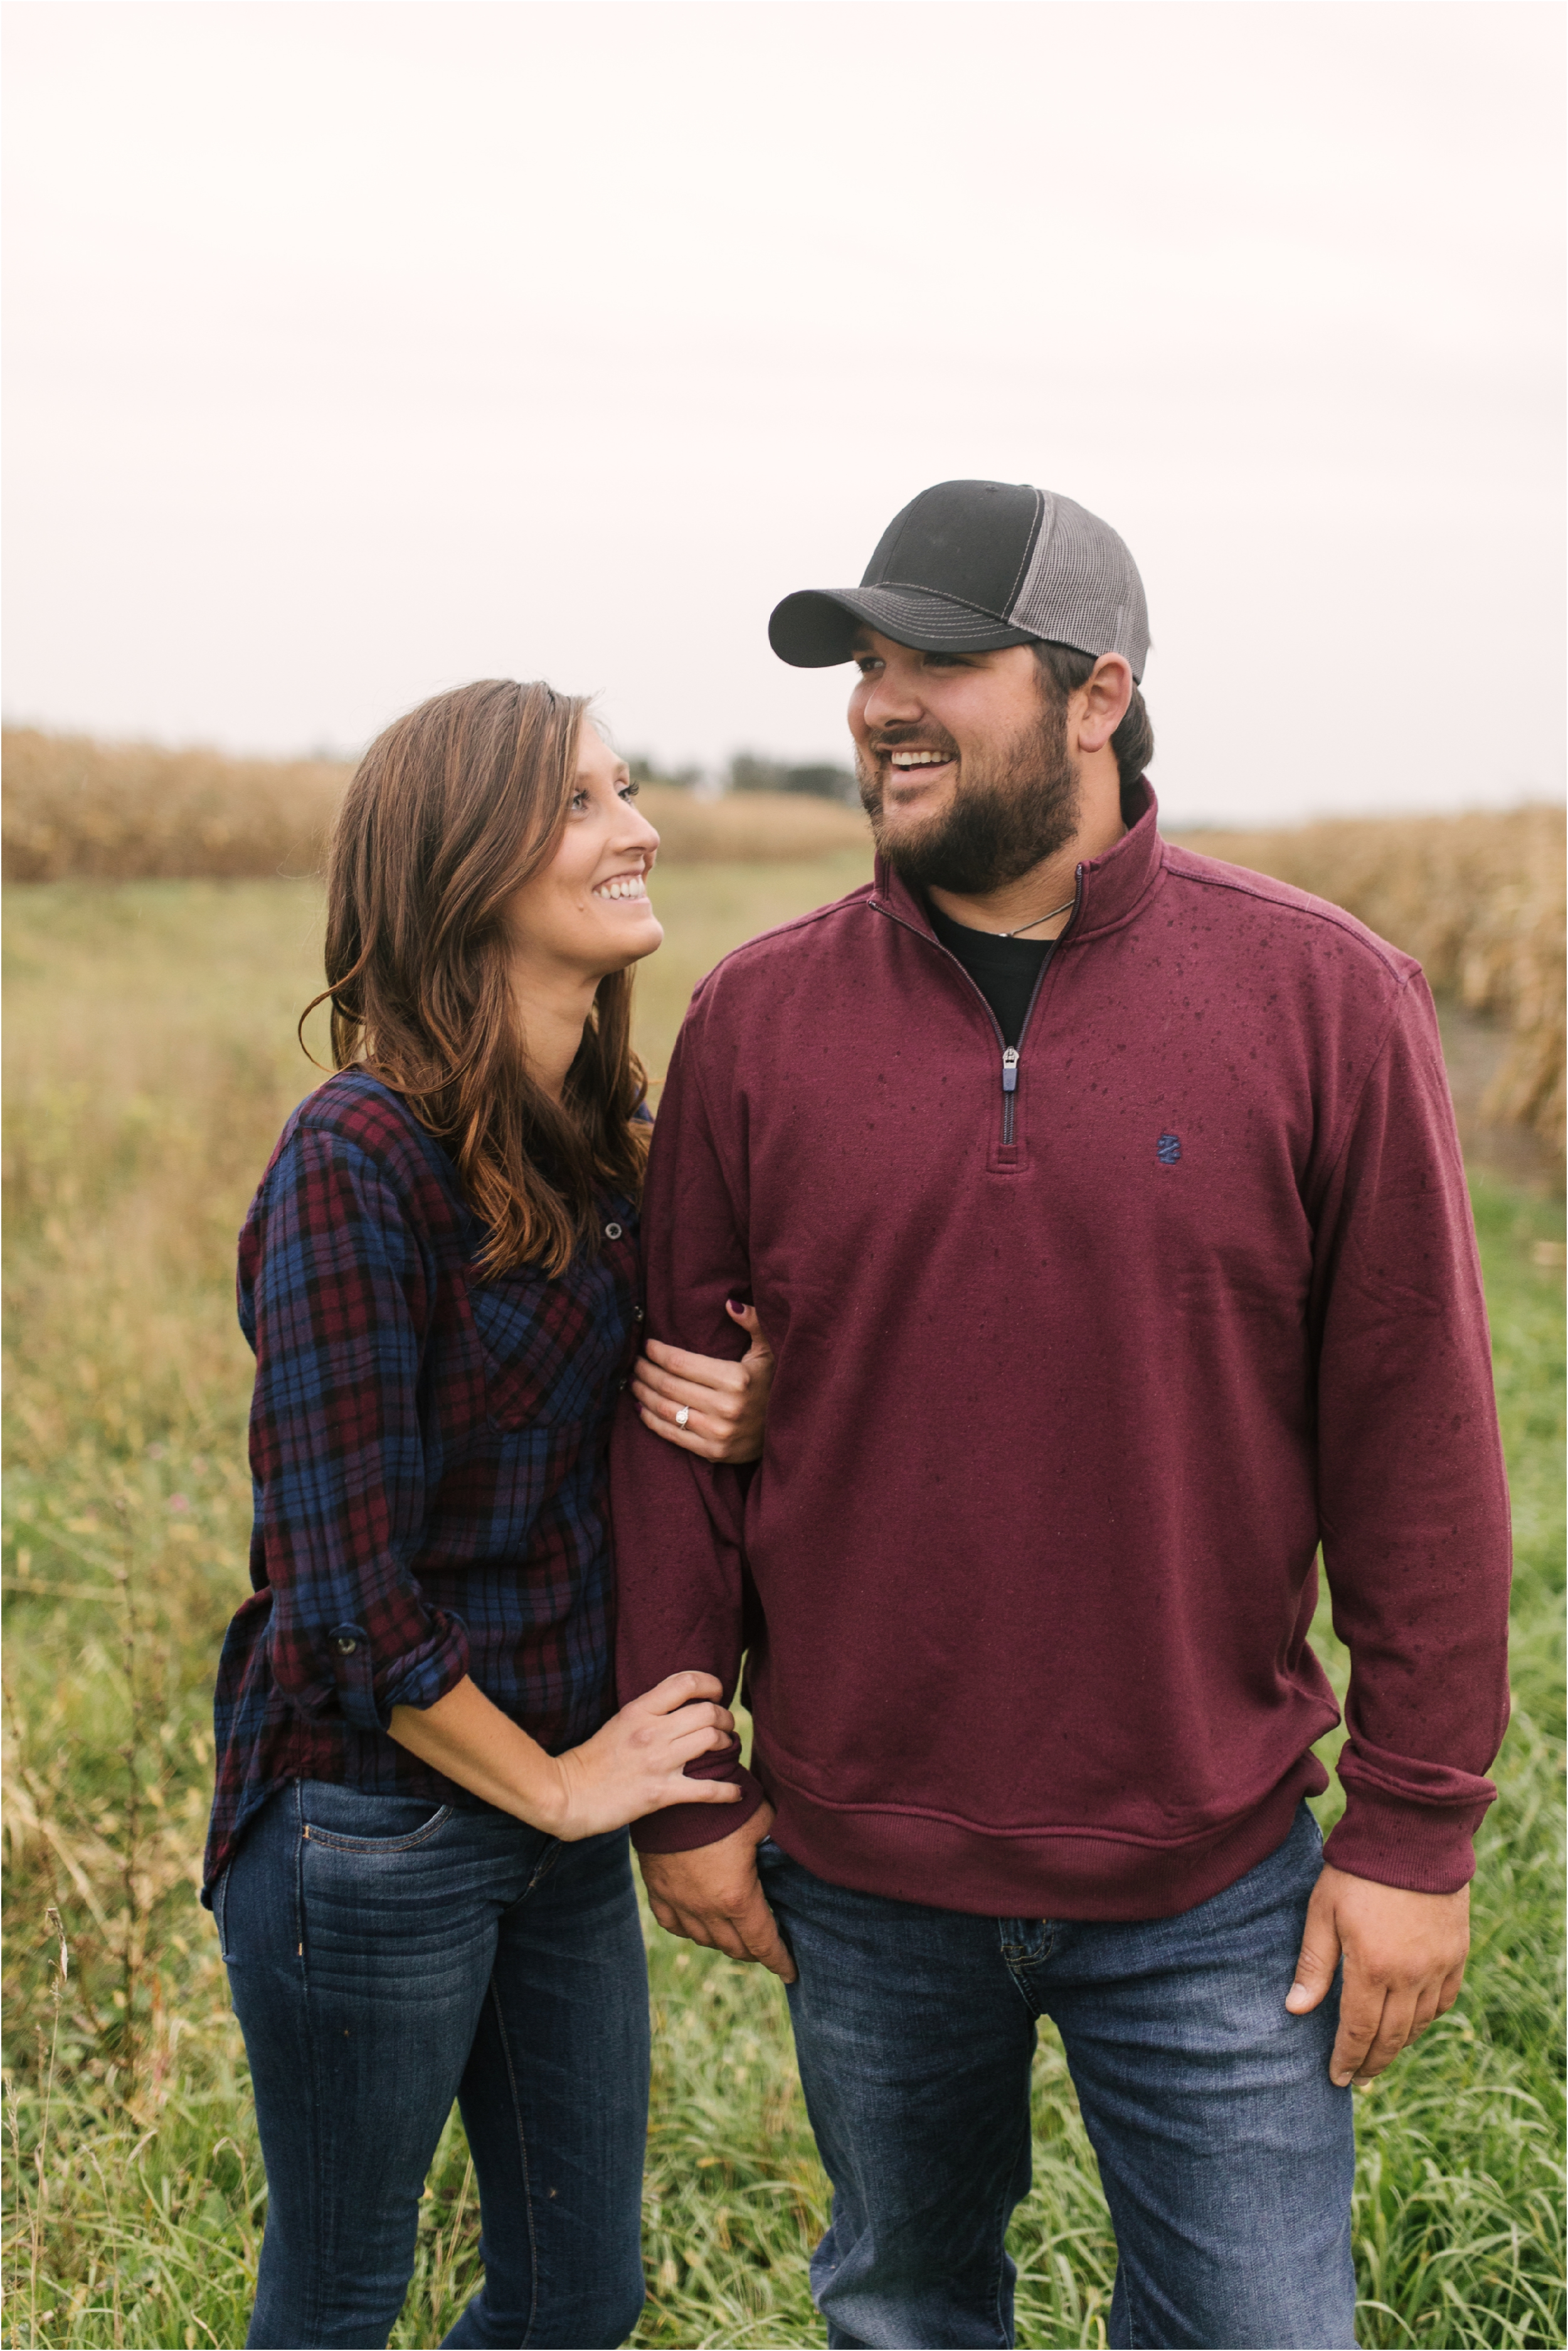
point(1007, 815)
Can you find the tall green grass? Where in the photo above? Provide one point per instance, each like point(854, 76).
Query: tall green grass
point(150, 1065)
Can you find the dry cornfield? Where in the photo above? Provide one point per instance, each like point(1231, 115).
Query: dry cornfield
point(77, 810)
point(1478, 898)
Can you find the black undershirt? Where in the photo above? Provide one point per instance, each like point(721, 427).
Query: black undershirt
point(1006, 971)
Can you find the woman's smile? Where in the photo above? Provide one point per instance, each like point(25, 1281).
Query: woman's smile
point(623, 886)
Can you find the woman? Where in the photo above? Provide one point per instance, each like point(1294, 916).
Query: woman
point(418, 1859)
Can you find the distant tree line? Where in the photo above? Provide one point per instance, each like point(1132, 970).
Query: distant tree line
point(651, 771)
point(749, 772)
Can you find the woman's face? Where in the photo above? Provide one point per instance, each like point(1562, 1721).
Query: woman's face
point(587, 912)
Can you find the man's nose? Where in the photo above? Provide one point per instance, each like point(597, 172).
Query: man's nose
point(893, 699)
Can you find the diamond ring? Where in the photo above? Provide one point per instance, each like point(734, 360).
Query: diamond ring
point(683, 1415)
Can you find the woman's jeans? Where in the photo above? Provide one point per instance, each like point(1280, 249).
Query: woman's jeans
point(385, 1960)
point(1225, 2153)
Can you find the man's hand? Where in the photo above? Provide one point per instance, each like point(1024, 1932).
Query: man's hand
point(1403, 1963)
point(713, 1896)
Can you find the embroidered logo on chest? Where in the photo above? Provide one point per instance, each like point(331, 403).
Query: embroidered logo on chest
point(1167, 1150)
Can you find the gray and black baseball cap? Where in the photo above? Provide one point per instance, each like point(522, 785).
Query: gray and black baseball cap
point(970, 566)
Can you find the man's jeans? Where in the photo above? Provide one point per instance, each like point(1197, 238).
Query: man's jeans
point(385, 1960)
point(1225, 2152)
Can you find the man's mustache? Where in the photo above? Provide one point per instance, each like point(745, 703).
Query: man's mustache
point(869, 775)
point(921, 739)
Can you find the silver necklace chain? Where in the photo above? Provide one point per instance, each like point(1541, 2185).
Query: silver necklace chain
point(1036, 924)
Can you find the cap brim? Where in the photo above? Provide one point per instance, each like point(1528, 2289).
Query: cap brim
point(816, 628)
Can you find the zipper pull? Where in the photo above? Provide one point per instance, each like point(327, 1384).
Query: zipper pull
point(1010, 1070)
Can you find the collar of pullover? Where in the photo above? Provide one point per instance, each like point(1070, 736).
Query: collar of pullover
point(1110, 888)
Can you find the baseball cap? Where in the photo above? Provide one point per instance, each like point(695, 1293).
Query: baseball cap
point(970, 566)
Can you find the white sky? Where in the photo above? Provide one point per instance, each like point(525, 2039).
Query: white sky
point(356, 350)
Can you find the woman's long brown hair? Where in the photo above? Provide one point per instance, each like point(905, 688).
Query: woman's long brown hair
point(449, 811)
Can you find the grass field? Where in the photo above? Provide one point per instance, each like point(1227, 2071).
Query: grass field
point(150, 1064)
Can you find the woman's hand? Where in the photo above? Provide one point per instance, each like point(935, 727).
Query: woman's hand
point(636, 1764)
point(632, 1766)
point(726, 1404)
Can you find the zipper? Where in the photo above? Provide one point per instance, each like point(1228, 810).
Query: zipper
point(1010, 1052)
point(1010, 1091)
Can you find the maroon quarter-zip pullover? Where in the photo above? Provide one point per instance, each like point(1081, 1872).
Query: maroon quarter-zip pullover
point(1080, 1356)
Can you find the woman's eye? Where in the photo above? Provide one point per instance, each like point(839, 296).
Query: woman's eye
point(578, 803)
point(629, 791)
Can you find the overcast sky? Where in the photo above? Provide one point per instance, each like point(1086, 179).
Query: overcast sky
point(354, 351)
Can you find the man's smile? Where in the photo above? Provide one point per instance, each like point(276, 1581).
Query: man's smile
point(911, 769)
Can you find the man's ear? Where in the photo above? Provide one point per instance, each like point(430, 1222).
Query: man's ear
point(1101, 703)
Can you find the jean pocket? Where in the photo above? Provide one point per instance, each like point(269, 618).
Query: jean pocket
point(545, 1863)
point(220, 1911)
point(353, 1820)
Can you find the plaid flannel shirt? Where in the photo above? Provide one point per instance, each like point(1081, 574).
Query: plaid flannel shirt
point(429, 1455)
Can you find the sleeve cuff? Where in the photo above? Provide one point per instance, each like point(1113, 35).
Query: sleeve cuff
point(369, 1688)
point(685, 1828)
point(1426, 1848)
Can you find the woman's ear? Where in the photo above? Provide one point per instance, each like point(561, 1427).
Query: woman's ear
point(1101, 703)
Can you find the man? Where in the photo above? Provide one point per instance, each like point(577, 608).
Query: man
point(1103, 1206)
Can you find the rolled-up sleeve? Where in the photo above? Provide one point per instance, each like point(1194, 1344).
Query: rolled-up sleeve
point(337, 1298)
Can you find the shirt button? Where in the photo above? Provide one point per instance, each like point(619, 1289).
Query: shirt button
point(612, 1232)
point(347, 1648)
point(638, 1312)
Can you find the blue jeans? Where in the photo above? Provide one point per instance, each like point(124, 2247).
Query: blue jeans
point(1225, 2152)
point(385, 1960)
